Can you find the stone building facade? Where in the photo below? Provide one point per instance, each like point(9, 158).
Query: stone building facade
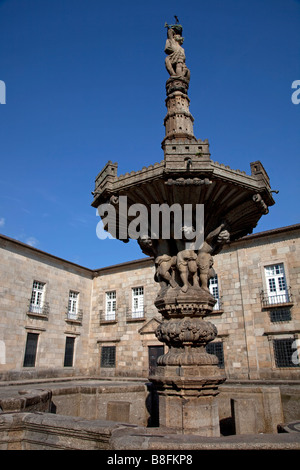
point(60, 319)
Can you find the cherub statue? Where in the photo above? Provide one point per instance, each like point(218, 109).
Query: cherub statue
point(164, 261)
point(186, 260)
point(211, 246)
point(187, 265)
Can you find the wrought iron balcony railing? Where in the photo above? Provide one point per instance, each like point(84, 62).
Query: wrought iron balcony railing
point(74, 316)
point(41, 309)
point(269, 300)
point(136, 314)
point(107, 317)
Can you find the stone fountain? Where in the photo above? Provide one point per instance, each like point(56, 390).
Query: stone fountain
point(224, 205)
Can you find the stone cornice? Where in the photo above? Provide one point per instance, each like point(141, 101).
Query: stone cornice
point(175, 165)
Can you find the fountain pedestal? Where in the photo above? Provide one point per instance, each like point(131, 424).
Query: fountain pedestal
point(186, 405)
point(187, 377)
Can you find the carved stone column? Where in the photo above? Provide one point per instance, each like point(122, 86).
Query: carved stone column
point(187, 377)
point(178, 121)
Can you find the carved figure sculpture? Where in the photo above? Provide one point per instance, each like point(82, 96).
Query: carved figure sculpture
point(186, 265)
point(164, 271)
point(211, 246)
point(164, 262)
point(186, 258)
point(175, 62)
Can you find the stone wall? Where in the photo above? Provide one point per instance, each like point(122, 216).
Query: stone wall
point(131, 336)
point(29, 431)
point(245, 329)
point(245, 326)
point(20, 266)
point(125, 402)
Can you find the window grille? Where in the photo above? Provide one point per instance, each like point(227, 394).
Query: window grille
point(69, 351)
point(30, 350)
point(284, 352)
point(280, 315)
point(108, 356)
point(216, 348)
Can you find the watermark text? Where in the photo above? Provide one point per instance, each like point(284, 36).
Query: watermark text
point(2, 92)
point(158, 221)
point(296, 94)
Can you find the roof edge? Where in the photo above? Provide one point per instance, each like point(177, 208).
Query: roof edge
point(140, 261)
point(266, 233)
point(44, 253)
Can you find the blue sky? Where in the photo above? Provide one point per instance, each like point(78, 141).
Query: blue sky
point(85, 83)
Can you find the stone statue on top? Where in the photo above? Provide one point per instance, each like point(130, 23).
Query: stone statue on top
point(175, 60)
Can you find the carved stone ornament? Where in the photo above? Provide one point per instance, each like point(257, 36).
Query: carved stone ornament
point(188, 331)
point(174, 303)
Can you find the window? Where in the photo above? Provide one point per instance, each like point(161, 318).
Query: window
point(153, 354)
point(69, 351)
point(37, 297)
point(30, 350)
point(277, 292)
point(2, 352)
point(216, 348)
point(73, 305)
point(214, 290)
point(280, 315)
point(285, 352)
point(110, 307)
point(108, 356)
point(137, 302)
